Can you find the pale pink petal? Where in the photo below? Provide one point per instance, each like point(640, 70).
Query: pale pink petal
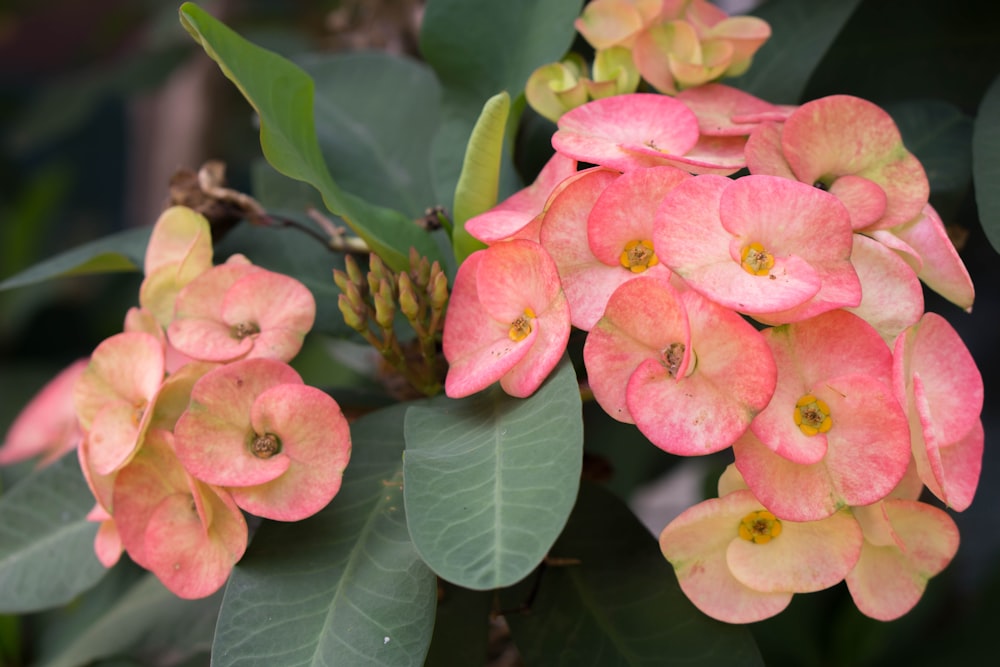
point(695, 543)
point(891, 296)
point(280, 308)
point(126, 366)
point(193, 552)
point(314, 437)
point(889, 580)
point(764, 153)
point(514, 213)
point(47, 426)
point(515, 276)
point(865, 200)
point(805, 557)
point(214, 436)
point(941, 267)
point(547, 348)
point(180, 235)
point(716, 105)
point(478, 348)
point(627, 131)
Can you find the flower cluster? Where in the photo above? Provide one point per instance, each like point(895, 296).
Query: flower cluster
point(671, 44)
point(192, 414)
point(779, 314)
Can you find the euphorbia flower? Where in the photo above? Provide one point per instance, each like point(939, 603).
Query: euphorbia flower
point(927, 248)
point(114, 394)
point(237, 310)
point(724, 111)
point(764, 246)
point(906, 543)
point(189, 534)
point(891, 296)
point(600, 234)
point(607, 23)
point(279, 446)
point(47, 426)
point(627, 132)
point(850, 147)
point(507, 320)
point(512, 216)
point(107, 543)
point(179, 250)
point(739, 563)
point(936, 379)
point(833, 434)
point(689, 373)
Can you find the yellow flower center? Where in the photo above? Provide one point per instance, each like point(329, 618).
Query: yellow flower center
point(638, 256)
point(812, 415)
point(521, 327)
point(755, 260)
point(759, 527)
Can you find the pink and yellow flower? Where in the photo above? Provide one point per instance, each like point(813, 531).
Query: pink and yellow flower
point(689, 373)
point(507, 320)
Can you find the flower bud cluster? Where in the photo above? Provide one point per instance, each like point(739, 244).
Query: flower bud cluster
point(671, 44)
point(370, 302)
point(192, 415)
point(779, 314)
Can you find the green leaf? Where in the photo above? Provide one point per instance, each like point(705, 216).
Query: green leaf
point(344, 587)
point(128, 613)
point(123, 251)
point(478, 48)
point(46, 543)
point(375, 117)
point(801, 33)
point(615, 601)
point(940, 135)
point(283, 96)
point(479, 182)
point(986, 162)
point(489, 480)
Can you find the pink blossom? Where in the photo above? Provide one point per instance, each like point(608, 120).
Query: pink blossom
point(189, 534)
point(833, 434)
point(761, 245)
point(739, 563)
point(689, 373)
point(935, 377)
point(237, 310)
point(47, 426)
point(850, 147)
point(627, 132)
point(179, 250)
point(279, 446)
point(512, 216)
point(600, 234)
point(507, 320)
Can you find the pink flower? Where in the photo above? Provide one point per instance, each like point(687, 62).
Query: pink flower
point(113, 397)
point(179, 250)
point(507, 320)
point(833, 434)
point(237, 310)
point(765, 246)
point(512, 216)
point(279, 446)
point(189, 534)
point(599, 231)
point(689, 373)
point(850, 147)
point(906, 543)
point(739, 563)
point(935, 377)
point(627, 132)
point(47, 426)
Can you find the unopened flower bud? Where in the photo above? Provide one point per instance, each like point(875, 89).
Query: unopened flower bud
point(385, 309)
point(340, 279)
point(407, 299)
point(439, 290)
point(353, 270)
point(351, 317)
